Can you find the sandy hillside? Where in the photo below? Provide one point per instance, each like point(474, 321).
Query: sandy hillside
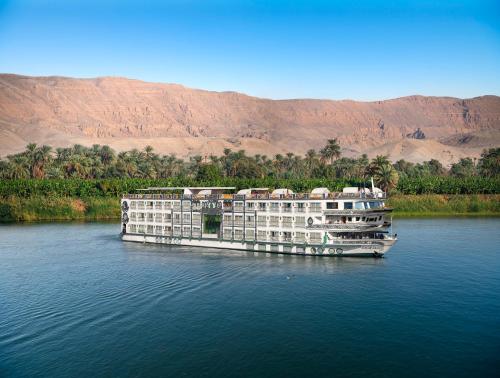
point(129, 114)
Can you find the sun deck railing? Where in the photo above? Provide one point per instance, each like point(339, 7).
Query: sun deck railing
point(266, 196)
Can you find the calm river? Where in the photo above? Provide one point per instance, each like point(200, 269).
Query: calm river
point(75, 301)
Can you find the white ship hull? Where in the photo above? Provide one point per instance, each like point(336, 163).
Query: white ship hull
point(375, 248)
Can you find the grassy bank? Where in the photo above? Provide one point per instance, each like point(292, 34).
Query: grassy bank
point(427, 205)
point(43, 208)
point(39, 208)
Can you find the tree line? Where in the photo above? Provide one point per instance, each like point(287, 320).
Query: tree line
point(102, 162)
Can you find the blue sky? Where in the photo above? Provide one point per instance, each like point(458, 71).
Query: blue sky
point(362, 50)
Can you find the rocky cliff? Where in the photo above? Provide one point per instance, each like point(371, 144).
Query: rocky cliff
point(127, 114)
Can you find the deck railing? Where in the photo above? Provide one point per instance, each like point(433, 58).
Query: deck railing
point(266, 196)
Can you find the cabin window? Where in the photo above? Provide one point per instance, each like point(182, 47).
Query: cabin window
point(300, 236)
point(359, 205)
point(300, 221)
point(261, 235)
point(363, 219)
point(332, 205)
point(262, 206)
point(347, 205)
point(349, 219)
point(238, 234)
point(250, 205)
point(357, 219)
point(261, 220)
point(315, 237)
point(315, 207)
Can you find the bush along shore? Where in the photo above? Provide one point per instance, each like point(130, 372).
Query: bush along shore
point(45, 208)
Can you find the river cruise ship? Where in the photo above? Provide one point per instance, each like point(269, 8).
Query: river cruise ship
point(354, 222)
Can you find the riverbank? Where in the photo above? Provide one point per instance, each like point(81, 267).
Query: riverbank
point(45, 208)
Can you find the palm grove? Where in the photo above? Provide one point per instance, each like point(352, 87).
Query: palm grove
point(102, 162)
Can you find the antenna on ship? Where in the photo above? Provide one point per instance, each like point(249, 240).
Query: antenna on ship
point(373, 186)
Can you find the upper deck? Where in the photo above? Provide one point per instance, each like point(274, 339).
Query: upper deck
point(283, 195)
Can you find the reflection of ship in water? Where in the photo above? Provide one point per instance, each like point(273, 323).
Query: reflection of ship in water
point(350, 223)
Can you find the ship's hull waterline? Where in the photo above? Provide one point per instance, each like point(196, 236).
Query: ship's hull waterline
point(343, 249)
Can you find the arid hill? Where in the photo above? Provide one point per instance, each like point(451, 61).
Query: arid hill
point(128, 114)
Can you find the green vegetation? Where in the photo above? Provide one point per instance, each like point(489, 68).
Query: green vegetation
point(85, 183)
point(101, 162)
point(40, 208)
point(445, 205)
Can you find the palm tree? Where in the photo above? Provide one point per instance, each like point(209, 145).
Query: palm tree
point(107, 155)
point(331, 151)
point(17, 167)
point(386, 177)
point(311, 160)
point(148, 151)
point(41, 158)
point(376, 163)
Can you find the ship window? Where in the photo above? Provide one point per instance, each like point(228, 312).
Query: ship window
point(315, 207)
point(347, 205)
point(332, 205)
point(349, 219)
point(357, 219)
point(363, 219)
point(358, 205)
point(300, 221)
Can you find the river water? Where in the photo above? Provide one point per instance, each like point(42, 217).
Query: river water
point(76, 301)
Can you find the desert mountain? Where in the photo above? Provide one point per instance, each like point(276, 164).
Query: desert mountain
point(128, 114)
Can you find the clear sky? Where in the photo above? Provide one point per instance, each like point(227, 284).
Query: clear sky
point(362, 50)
